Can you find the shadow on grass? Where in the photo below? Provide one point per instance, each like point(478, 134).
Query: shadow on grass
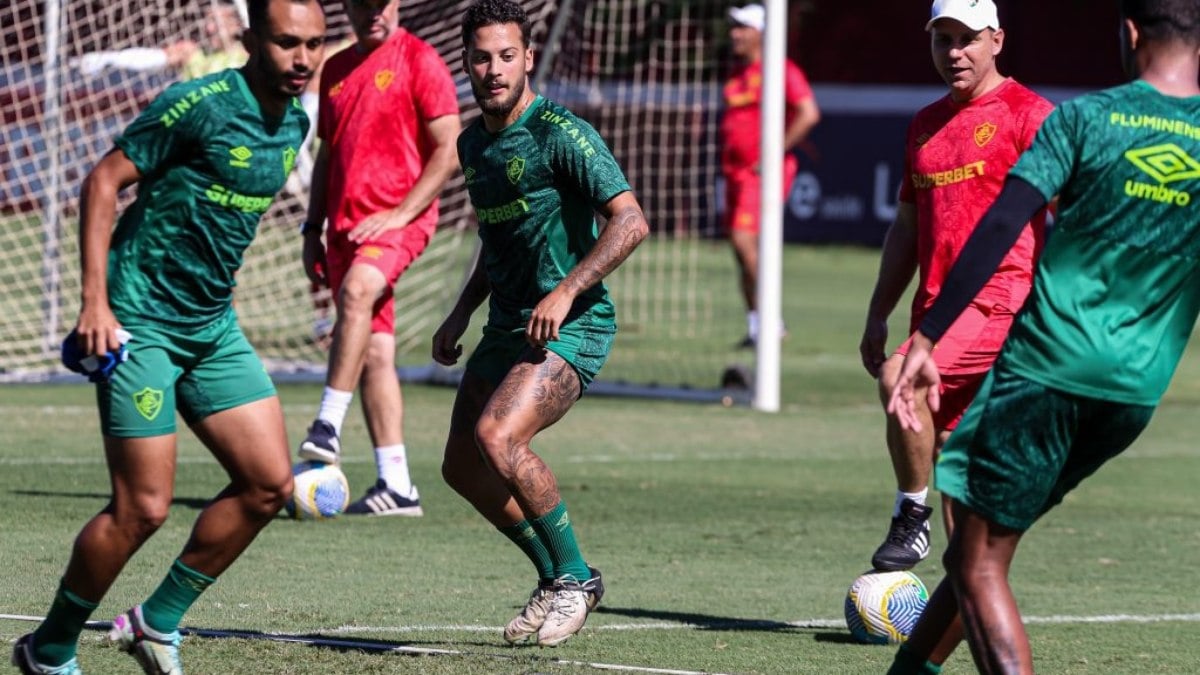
point(705, 621)
point(189, 502)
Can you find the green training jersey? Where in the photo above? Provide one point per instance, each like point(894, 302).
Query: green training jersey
point(211, 162)
point(1117, 288)
point(536, 186)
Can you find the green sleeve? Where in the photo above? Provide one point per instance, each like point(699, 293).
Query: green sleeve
point(1053, 157)
point(170, 126)
point(582, 160)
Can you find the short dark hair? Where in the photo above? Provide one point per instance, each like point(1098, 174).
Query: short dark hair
point(1165, 20)
point(256, 10)
point(493, 12)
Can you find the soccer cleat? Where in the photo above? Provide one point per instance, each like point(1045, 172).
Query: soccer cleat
point(907, 541)
point(531, 618)
point(570, 603)
point(23, 659)
point(321, 444)
point(157, 653)
point(381, 500)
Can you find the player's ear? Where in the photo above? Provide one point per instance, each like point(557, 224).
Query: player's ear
point(528, 60)
point(997, 41)
point(1130, 35)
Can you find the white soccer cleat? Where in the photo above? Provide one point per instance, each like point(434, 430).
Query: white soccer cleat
point(157, 653)
point(570, 604)
point(531, 618)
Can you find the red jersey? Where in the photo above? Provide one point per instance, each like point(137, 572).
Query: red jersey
point(373, 113)
point(741, 125)
point(955, 162)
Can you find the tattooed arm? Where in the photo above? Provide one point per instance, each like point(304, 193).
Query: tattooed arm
point(626, 229)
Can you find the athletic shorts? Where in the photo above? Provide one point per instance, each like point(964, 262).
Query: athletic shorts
point(964, 355)
point(586, 348)
point(743, 198)
point(195, 372)
point(1022, 446)
point(391, 253)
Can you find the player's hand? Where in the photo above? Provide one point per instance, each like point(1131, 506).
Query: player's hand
point(377, 223)
point(446, 347)
point(97, 329)
point(918, 370)
point(313, 256)
point(871, 347)
point(547, 317)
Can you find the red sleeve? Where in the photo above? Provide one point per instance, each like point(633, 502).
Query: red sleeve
point(796, 87)
point(1037, 113)
point(434, 93)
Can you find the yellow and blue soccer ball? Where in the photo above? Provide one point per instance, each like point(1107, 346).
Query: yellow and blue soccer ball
point(883, 607)
point(319, 491)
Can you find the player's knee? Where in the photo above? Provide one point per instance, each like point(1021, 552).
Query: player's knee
point(380, 356)
point(357, 295)
point(143, 518)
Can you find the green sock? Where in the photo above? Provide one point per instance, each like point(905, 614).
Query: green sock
point(526, 538)
point(164, 609)
point(55, 640)
point(555, 531)
point(908, 663)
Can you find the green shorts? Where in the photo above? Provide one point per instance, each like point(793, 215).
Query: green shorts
point(1022, 446)
point(584, 347)
point(198, 373)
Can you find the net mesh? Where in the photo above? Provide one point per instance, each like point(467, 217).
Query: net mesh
point(647, 75)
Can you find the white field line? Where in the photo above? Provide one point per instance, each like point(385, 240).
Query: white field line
point(1056, 619)
point(341, 643)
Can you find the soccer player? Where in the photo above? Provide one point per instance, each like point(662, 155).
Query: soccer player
point(388, 122)
point(958, 151)
point(1114, 302)
point(536, 175)
point(741, 134)
point(208, 156)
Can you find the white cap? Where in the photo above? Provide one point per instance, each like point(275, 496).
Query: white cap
point(974, 14)
point(753, 16)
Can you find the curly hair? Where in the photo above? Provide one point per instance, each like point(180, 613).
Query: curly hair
point(493, 12)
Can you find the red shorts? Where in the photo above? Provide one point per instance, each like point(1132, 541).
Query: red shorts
point(743, 197)
point(391, 253)
point(964, 355)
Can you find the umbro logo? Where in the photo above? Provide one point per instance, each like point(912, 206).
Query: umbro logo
point(241, 157)
point(1166, 163)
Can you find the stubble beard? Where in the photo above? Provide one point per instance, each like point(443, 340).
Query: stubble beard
point(501, 108)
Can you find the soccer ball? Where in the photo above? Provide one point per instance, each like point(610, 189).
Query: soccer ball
point(320, 491)
point(883, 607)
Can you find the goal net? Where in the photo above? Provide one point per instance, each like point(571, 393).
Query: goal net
point(74, 73)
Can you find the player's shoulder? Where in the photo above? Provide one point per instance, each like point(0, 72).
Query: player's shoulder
point(202, 95)
point(553, 118)
point(1023, 101)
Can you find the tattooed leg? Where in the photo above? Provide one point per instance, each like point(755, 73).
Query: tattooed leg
point(537, 392)
point(464, 467)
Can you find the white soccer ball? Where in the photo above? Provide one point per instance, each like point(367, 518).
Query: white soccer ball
point(319, 491)
point(883, 607)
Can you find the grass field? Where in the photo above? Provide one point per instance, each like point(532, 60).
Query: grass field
point(727, 537)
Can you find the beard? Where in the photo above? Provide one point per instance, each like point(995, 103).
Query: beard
point(501, 106)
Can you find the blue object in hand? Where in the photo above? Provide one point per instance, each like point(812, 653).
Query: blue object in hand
point(97, 368)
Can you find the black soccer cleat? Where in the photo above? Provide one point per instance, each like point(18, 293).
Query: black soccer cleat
point(907, 541)
point(321, 444)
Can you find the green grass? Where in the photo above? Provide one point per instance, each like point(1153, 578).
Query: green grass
point(715, 527)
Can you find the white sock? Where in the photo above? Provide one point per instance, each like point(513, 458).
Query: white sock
point(334, 404)
point(752, 324)
point(392, 463)
point(918, 497)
